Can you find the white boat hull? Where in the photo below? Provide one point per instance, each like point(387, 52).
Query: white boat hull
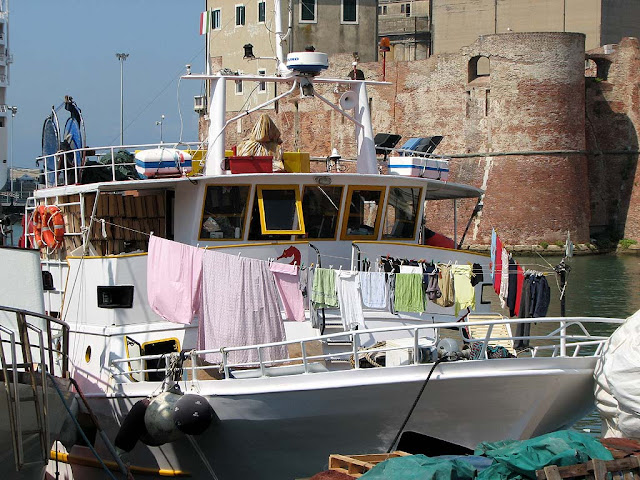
point(286, 427)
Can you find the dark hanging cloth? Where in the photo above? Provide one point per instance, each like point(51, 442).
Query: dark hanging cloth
point(513, 286)
point(477, 275)
point(430, 280)
point(540, 295)
point(525, 301)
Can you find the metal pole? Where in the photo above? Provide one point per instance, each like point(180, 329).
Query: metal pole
point(122, 57)
point(13, 115)
point(455, 223)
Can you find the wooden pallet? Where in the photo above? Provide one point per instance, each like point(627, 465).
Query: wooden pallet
point(358, 465)
point(621, 469)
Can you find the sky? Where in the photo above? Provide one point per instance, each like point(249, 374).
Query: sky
point(68, 47)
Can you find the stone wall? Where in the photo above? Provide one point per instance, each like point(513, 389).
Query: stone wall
point(518, 132)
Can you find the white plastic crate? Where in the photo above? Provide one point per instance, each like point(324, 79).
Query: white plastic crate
point(409, 166)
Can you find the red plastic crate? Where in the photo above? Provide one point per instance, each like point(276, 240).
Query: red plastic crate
point(259, 164)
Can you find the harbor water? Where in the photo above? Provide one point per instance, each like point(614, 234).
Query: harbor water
point(597, 286)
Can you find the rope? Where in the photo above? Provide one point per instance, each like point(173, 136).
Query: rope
point(103, 221)
point(369, 356)
point(415, 403)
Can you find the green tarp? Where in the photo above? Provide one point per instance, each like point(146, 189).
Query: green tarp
point(512, 459)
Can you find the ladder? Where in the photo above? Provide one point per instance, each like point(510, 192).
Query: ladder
point(26, 391)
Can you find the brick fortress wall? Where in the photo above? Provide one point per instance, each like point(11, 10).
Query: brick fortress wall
point(518, 132)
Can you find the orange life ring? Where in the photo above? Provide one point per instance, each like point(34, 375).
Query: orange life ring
point(48, 228)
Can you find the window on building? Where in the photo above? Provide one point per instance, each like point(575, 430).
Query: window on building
point(215, 19)
point(406, 9)
point(239, 89)
point(240, 20)
point(382, 9)
point(349, 11)
point(262, 86)
point(320, 209)
point(308, 10)
point(362, 213)
point(224, 211)
point(479, 66)
point(262, 11)
point(402, 213)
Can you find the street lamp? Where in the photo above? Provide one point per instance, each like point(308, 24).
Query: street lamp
point(13, 110)
point(122, 57)
point(160, 123)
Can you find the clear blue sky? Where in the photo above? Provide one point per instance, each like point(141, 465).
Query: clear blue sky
point(68, 47)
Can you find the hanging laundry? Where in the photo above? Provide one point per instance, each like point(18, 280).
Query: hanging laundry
point(540, 296)
point(513, 286)
point(492, 261)
point(288, 283)
point(391, 292)
point(241, 308)
point(520, 282)
point(445, 282)
point(411, 269)
point(465, 294)
point(174, 279)
point(374, 289)
point(430, 280)
point(409, 295)
point(477, 275)
point(350, 299)
point(497, 276)
point(323, 293)
point(504, 278)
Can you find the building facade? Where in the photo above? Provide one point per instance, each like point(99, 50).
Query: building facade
point(406, 25)
point(457, 23)
point(332, 26)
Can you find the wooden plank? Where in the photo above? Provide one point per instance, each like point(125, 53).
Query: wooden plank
point(120, 205)
point(599, 469)
point(161, 201)
point(139, 206)
point(151, 206)
point(129, 206)
point(551, 473)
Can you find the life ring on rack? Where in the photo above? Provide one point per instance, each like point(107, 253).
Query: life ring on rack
point(48, 227)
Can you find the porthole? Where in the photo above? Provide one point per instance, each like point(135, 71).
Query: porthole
point(87, 354)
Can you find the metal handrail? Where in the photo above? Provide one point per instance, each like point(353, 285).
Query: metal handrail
point(577, 341)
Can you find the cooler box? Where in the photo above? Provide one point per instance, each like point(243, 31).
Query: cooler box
point(258, 164)
point(297, 162)
point(197, 160)
point(437, 169)
point(162, 161)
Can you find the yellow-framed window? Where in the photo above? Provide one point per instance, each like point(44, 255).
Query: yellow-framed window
point(401, 215)
point(224, 210)
point(280, 210)
point(363, 210)
point(321, 210)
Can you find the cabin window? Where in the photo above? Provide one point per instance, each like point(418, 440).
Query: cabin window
point(363, 209)
point(115, 296)
point(280, 209)
point(159, 347)
point(224, 212)
point(308, 11)
point(403, 205)
point(320, 209)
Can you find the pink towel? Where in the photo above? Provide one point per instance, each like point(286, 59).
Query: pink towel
point(240, 307)
point(288, 283)
point(174, 279)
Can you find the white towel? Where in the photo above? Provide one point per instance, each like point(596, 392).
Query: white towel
point(348, 288)
point(410, 269)
point(373, 286)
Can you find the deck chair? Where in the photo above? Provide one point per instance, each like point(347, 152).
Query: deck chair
point(500, 330)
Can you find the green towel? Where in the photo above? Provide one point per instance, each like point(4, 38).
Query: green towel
point(409, 295)
point(323, 292)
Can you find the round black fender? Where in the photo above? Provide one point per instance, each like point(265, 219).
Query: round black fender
point(132, 427)
point(193, 414)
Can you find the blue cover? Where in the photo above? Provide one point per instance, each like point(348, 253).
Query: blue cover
point(72, 129)
point(411, 144)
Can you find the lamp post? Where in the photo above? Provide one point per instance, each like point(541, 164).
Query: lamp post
point(160, 123)
point(14, 110)
point(121, 57)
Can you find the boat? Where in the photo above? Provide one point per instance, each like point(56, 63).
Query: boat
point(329, 389)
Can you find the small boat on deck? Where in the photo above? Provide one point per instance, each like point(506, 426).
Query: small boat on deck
point(329, 388)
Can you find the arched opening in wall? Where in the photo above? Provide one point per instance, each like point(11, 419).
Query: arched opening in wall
point(602, 68)
point(479, 67)
point(590, 68)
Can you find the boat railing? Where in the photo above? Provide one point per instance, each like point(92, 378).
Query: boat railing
point(556, 343)
point(53, 339)
point(70, 165)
